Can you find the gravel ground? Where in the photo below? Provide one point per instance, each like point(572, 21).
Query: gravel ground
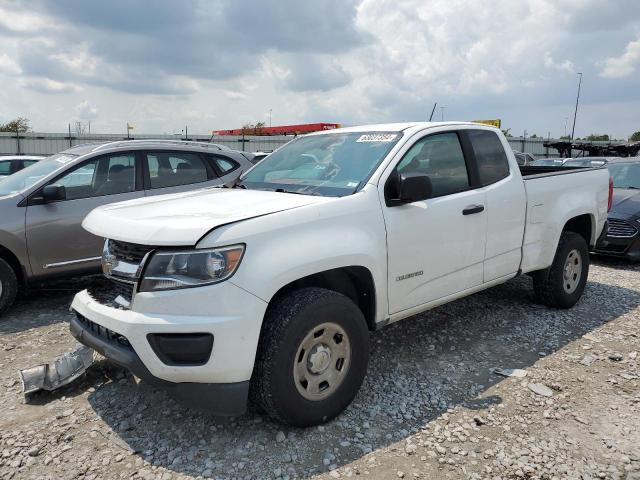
point(430, 406)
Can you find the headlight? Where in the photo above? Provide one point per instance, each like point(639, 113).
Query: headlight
point(190, 268)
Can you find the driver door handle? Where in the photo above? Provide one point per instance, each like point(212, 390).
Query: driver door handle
point(471, 209)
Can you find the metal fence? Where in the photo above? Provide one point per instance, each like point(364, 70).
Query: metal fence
point(49, 143)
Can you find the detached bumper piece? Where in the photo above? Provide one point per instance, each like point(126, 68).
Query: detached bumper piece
point(64, 370)
point(217, 398)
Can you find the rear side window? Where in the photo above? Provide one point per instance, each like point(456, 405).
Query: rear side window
point(5, 167)
point(225, 165)
point(490, 156)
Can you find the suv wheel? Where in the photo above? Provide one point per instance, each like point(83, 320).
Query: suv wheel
point(562, 284)
point(8, 286)
point(312, 357)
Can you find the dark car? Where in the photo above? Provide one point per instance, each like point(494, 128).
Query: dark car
point(622, 237)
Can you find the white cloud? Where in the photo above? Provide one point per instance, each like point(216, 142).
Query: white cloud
point(46, 85)
point(86, 111)
point(8, 65)
point(625, 64)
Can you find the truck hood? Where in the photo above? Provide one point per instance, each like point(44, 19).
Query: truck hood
point(626, 201)
point(184, 218)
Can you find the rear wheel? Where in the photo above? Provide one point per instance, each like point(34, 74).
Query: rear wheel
point(312, 357)
point(8, 286)
point(562, 284)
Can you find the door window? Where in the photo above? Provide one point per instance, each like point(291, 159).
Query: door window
point(5, 167)
point(108, 175)
point(440, 157)
point(170, 169)
point(490, 156)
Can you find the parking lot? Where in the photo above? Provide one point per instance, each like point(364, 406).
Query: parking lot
point(430, 406)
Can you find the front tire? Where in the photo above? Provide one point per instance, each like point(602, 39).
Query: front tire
point(8, 286)
point(312, 357)
point(562, 284)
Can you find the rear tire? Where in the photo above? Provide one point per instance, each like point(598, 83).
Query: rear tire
point(312, 357)
point(562, 284)
point(8, 286)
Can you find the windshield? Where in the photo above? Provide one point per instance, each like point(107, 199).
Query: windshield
point(625, 175)
point(27, 177)
point(333, 164)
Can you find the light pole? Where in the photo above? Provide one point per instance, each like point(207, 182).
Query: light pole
point(270, 117)
point(442, 113)
point(575, 114)
point(566, 121)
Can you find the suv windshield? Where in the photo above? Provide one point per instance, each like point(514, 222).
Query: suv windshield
point(27, 177)
point(333, 164)
point(625, 175)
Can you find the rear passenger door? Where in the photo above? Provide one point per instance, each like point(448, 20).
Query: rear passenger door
point(505, 204)
point(172, 172)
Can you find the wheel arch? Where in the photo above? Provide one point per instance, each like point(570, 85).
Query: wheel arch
point(355, 282)
point(583, 225)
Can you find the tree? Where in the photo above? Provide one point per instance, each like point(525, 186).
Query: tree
point(635, 137)
point(254, 129)
point(20, 124)
point(506, 132)
point(565, 137)
point(596, 137)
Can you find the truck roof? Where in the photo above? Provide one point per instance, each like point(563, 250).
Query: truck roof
point(394, 127)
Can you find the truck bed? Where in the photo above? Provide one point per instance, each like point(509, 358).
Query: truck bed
point(532, 171)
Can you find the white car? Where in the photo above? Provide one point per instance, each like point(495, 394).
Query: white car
point(269, 290)
point(10, 164)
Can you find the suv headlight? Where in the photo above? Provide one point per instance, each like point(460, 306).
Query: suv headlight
point(190, 268)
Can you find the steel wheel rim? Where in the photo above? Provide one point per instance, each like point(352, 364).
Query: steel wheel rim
point(322, 361)
point(572, 271)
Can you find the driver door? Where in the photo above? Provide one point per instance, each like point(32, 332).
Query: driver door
point(435, 246)
point(56, 241)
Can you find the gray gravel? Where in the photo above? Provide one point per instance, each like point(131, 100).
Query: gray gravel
point(431, 406)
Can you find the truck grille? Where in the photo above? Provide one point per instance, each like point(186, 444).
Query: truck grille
point(130, 252)
point(620, 229)
point(107, 292)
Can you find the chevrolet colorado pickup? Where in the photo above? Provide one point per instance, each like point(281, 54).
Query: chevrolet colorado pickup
point(267, 291)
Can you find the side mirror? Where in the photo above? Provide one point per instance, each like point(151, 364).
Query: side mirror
point(414, 187)
point(51, 193)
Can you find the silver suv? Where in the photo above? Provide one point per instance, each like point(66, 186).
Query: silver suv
point(42, 206)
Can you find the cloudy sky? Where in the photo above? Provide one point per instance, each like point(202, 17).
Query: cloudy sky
point(216, 64)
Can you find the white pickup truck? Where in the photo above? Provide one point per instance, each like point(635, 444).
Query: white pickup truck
point(268, 290)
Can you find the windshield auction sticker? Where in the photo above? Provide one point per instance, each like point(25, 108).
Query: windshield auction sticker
point(377, 137)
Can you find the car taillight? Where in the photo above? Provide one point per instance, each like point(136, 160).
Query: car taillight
point(610, 194)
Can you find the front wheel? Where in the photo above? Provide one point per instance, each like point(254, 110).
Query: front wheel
point(562, 284)
point(312, 357)
point(8, 286)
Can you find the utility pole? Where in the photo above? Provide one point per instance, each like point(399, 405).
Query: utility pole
point(433, 110)
point(442, 113)
point(270, 117)
point(186, 133)
point(575, 114)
